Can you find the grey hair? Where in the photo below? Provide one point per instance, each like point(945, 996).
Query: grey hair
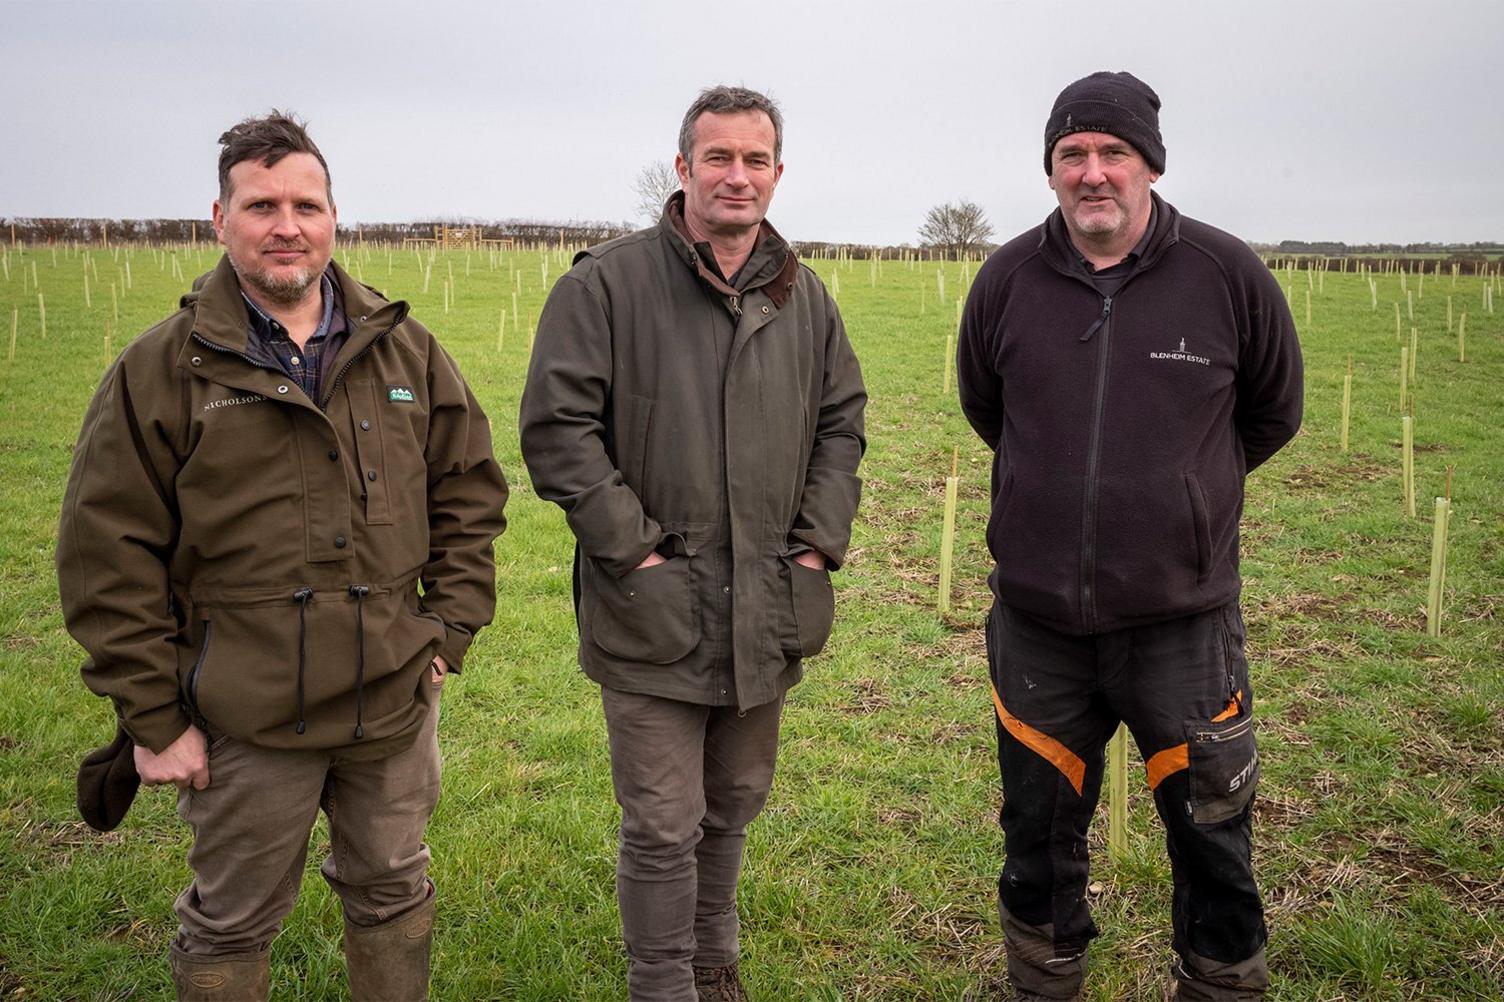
point(724, 100)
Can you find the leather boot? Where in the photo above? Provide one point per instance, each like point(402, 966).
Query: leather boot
point(389, 962)
point(719, 984)
point(233, 977)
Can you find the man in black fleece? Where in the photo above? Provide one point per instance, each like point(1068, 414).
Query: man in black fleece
point(1128, 366)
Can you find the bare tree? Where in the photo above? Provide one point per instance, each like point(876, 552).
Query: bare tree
point(956, 228)
point(654, 184)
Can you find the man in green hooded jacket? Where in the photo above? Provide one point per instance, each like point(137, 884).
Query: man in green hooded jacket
point(275, 544)
point(695, 408)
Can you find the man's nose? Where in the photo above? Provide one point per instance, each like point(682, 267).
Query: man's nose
point(286, 223)
point(736, 174)
point(1094, 174)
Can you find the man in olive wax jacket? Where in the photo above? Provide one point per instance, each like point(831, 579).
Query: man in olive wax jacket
point(695, 408)
point(275, 543)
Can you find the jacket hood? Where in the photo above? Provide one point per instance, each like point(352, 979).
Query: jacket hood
point(219, 310)
point(778, 284)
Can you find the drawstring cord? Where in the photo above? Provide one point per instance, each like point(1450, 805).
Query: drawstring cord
point(360, 592)
point(301, 596)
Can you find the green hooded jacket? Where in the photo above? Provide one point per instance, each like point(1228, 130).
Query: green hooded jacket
point(721, 426)
point(280, 568)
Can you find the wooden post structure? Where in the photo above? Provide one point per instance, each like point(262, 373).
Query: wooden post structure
point(1117, 794)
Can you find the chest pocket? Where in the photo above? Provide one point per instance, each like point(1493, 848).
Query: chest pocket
point(370, 450)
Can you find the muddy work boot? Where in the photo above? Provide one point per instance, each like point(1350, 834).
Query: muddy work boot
point(719, 984)
point(233, 977)
point(389, 962)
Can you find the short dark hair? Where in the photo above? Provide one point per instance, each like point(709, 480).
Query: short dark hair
point(724, 100)
point(266, 140)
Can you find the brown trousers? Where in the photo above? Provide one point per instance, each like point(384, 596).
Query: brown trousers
point(251, 829)
point(689, 778)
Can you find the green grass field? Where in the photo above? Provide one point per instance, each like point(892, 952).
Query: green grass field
point(1380, 824)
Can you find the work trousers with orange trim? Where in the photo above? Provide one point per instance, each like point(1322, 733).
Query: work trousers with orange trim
point(1182, 688)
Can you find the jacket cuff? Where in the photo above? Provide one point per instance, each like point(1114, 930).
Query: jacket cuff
point(157, 728)
point(454, 648)
point(834, 556)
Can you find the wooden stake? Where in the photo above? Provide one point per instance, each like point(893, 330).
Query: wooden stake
point(1407, 462)
point(15, 319)
point(501, 330)
point(1347, 401)
point(1404, 375)
point(1462, 336)
point(42, 313)
point(1117, 794)
point(114, 303)
point(1443, 515)
point(947, 543)
point(1308, 309)
point(1396, 322)
point(1414, 352)
point(950, 353)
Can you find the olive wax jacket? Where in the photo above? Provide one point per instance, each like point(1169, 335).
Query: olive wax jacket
point(280, 568)
point(666, 410)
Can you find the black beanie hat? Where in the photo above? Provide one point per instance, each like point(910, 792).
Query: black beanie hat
point(1119, 104)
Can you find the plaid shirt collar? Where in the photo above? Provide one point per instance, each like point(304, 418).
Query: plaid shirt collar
point(302, 364)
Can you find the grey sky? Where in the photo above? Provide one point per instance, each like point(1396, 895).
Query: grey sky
point(1316, 120)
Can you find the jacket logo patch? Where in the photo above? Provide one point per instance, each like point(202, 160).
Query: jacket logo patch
point(249, 398)
point(1181, 355)
point(399, 394)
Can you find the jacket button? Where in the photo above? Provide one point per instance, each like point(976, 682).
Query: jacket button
point(365, 425)
point(371, 475)
point(726, 589)
point(765, 309)
point(196, 360)
point(333, 455)
point(282, 388)
point(339, 542)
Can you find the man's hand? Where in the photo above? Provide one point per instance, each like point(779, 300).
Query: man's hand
point(813, 559)
point(183, 763)
point(438, 668)
point(653, 559)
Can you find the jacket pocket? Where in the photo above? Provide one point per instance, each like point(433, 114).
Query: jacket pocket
point(1224, 768)
point(361, 660)
point(648, 615)
point(1202, 521)
point(812, 604)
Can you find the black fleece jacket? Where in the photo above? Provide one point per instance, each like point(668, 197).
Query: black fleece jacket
point(1123, 426)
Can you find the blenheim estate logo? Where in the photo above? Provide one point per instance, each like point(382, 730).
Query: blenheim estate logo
point(1181, 355)
point(252, 398)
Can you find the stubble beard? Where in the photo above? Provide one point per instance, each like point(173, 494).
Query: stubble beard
point(288, 290)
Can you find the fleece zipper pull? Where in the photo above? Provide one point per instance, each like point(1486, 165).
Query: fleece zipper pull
point(1106, 311)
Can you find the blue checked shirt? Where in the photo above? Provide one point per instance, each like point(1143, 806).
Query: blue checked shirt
point(301, 364)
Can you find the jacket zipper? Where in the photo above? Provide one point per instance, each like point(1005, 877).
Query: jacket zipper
point(231, 351)
point(736, 309)
point(328, 393)
point(1093, 456)
point(198, 667)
